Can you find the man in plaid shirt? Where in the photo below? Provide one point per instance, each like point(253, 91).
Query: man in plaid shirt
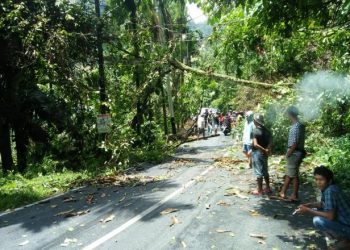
point(295, 154)
point(332, 214)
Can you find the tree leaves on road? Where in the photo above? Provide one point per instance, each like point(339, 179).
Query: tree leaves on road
point(258, 236)
point(89, 199)
point(223, 231)
point(174, 221)
point(223, 203)
point(71, 213)
point(254, 213)
point(68, 241)
point(169, 211)
point(108, 219)
point(24, 243)
point(69, 199)
point(64, 213)
point(235, 192)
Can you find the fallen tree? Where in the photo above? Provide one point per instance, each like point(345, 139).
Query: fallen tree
point(221, 77)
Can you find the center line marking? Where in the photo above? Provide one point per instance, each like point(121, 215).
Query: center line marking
point(138, 217)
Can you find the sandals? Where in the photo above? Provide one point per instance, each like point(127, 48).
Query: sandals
point(267, 191)
point(257, 193)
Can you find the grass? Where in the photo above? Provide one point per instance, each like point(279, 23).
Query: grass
point(16, 190)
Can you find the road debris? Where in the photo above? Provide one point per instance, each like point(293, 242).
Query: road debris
point(258, 236)
point(223, 203)
point(169, 211)
point(108, 219)
point(174, 221)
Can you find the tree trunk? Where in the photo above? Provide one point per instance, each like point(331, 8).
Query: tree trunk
point(165, 119)
point(138, 119)
point(21, 148)
point(101, 70)
point(5, 147)
point(171, 105)
point(221, 77)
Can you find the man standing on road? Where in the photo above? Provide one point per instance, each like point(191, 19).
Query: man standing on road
point(295, 154)
point(332, 214)
point(248, 136)
point(262, 142)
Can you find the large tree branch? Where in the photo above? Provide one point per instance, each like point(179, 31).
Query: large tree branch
point(217, 76)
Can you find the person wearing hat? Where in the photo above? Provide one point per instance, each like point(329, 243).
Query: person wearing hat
point(295, 154)
point(262, 142)
point(248, 136)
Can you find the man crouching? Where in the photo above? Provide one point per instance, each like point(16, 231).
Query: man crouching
point(332, 214)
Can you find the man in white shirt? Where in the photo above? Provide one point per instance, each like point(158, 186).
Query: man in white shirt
point(248, 136)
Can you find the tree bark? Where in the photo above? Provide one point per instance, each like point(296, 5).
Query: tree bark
point(5, 147)
point(101, 70)
point(138, 119)
point(219, 77)
point(21, 148)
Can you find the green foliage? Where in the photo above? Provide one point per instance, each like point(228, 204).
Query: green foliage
point(334, 153)
point(335, 115)
point(17, 190)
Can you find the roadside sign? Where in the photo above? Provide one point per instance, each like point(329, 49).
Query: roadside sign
point(104, 123)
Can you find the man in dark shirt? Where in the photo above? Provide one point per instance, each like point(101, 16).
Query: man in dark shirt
point(332, 214)
point(262, 142)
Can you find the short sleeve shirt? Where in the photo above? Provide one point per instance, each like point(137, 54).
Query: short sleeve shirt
point(333, 199)
point(263, 136)
point(297, 136)
point(248, 133)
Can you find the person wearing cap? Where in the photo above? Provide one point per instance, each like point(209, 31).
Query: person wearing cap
point(295, 154)
point(262, 142)
point(248, 136)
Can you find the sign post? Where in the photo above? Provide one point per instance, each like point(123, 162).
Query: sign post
point(104, 123)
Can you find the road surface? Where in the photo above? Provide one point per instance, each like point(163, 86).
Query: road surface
point(213, 210)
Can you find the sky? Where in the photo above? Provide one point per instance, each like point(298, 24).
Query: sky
point(196, 13)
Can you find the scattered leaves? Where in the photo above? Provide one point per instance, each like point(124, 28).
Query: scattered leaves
point(24, 243)
point(71, 213)
point(174, 221)
point(254, 213)
point(68, 241)
point(108, 219)
point(64, 213)
point(223, 203)
point(169, 211)
point(258, 236)
point(89, 199)
point(69, 199)
point(222, 231)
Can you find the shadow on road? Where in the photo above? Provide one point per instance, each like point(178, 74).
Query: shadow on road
point(123, 202)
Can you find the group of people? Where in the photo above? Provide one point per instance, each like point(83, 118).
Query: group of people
point(332, 214)
point(215, 121)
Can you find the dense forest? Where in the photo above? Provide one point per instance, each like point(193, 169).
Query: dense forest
point(148, 68)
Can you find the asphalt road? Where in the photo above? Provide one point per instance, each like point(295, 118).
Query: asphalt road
point(190, 182)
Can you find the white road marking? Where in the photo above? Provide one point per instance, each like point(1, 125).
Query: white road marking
point(138, 217)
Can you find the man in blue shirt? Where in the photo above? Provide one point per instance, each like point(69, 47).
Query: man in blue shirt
point(332, 214)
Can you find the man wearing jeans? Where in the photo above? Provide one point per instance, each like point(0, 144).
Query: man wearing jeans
point(262, 142)
point(295, 154)
point(332, 214)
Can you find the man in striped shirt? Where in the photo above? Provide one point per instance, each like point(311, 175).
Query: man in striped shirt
point(295, 154)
